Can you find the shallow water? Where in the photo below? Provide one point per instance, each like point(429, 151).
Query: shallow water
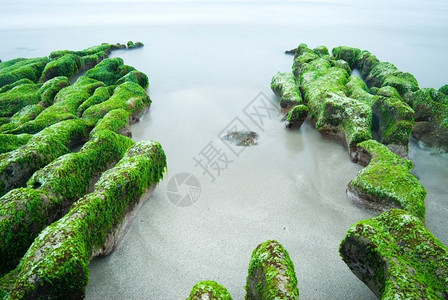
point(207, 62)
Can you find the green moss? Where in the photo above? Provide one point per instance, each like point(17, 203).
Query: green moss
point(284, 85)
point(358, 89)
point(132, 45)
point(100, 95)
point(135, 76)
point(128, 96)
point(444, 89)
point(103, 48)
point(65, 105)
point(23, 69)
point(367, 63)
point(18, 97)
point(26, 114)
point(349, 54)
point(271, 273)
point(209, 290)
point(14, 84)
point(109, 71)
point(387, 182)
point(50, 88)
point(66, 65)
point(296, 116)
point(10, 142)
point(321, 51)
point(63, 181)
point(116, 120)
point(16, 167)
point(56, 264)
point(397, 257)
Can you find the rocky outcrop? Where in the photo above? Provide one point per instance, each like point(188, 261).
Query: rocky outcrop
point(242, 138)
point(386, 182)
point(284, 85)
point(397, 257)
point(56, 264)
point(132, 45)
point(271, 273)
point(209, 290)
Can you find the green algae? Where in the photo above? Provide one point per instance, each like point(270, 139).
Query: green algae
point(22, 69)
point(296, 116)
point(397, 257)
point(135, 76)
point(116, 120)
point(209, 290)
point(109, 71)
point(349, 54)
point(271, 273)
point(386, 182)
point(284, 85)
point(17, 166)
point(128, 96)
point(18, 97)
point(66, 65)
point(132, 45)
point(56, 264)
point(10, 142)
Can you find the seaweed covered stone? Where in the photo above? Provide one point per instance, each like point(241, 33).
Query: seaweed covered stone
point(56, 264)
point(397, 257)
point(271, 273)
point(284, 85)
point(132, 45)
point(209, 290)
point(386, 182)
point(296, 116)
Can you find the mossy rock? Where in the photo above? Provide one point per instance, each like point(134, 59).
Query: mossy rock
point(18, 97)
point(109, 71)
point(397, 257)
point(52, 87)
point(284, 85)
point(132, 45)
point(56, 264)
point(431, 119)
point(386, 182)
point(128, 96)
point(358, 89)
point(22, 69)
point(444, 89)
point(271, 273)
point(135, 76)
point(14, 84)
point(100, 95)
point(296, 116)
point(209, 290)
point(10, 142)
point(116, 120)
point(66, 65)
point(17, 166)
point(349, 54)
point(321, 51)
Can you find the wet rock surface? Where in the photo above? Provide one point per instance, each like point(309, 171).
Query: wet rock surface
point(397, 257)
point(242, 138)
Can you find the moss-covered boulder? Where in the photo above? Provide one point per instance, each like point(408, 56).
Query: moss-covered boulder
point(18, 69)
point(296, 116)
point(128, 96)
point(17, 166)
point(66, 65)
point(132, 45)
point(18, 97)
point(444, 89)
point(397, 257)
point(25, 212)
point(109, 71)
point(271, 273)
point(349, 54)
point(431, 118)
point(284, 85)
point(116, 120)
point(209, 290)
point(56, 264)
point(386, 182)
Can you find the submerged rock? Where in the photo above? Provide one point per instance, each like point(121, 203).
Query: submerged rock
point(296, 116)
point(209, 290)
point(386, 182)
point(397, 257)
point(271, 273)
point(56, 264)
point(242, 138)
point(284, 85)
point(132, 45)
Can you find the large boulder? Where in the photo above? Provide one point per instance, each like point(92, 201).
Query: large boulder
point(397, 257)
point(296, 116)
point(209, 290)
point(386, 182)
point(271, 273)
